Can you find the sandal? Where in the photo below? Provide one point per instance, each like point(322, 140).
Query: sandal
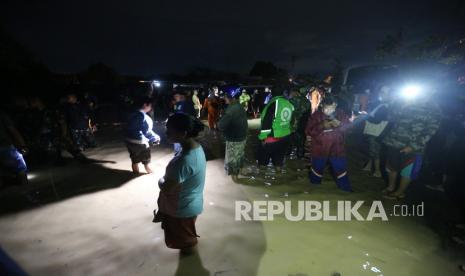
point(459, 240)
point(460, 226)
point(377, 174)
point(394, 196)
point(387, 191)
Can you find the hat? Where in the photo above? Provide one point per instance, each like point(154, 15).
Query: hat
point(232, 92)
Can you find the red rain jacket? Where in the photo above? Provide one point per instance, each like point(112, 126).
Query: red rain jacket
point(327, 142)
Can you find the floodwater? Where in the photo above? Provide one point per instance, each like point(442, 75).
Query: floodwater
point(96, 220)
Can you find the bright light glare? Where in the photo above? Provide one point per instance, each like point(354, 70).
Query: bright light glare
point(157, 83)
point(411, 91)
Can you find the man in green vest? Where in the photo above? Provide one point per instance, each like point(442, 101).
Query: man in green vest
point(276, 128)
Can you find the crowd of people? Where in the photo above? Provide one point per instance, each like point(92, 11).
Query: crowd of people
point(38, 133)
point(405, 138)
point(313, 123)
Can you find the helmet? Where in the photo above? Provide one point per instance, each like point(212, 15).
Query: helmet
point(232, 92)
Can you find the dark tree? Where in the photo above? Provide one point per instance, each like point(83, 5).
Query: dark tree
point(99, 73)
point(390, 46)
point(268, 70)
point(20, 71)
point(338, 75)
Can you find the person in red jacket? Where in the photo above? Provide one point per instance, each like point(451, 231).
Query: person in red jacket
point(326, 127)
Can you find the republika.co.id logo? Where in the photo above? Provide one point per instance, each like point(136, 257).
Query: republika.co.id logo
point(316, 210)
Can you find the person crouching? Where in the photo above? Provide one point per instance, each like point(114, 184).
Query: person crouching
point(140, 135)
point(326, 128)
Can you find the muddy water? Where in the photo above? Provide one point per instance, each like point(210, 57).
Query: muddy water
point(399, 246)
point(104, 227)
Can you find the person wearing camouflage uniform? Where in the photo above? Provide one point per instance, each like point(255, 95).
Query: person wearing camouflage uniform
point(314, 95)
point(301, 110)
point(233, 126)
point(79, 123)
point(413, 125)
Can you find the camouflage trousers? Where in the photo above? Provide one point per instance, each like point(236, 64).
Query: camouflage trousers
point(234, 157)
point(374, 147)
point(83, 138)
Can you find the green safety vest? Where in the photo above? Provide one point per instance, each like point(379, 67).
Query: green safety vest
point(282, 118)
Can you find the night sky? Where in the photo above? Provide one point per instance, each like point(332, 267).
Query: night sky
point(148, 36)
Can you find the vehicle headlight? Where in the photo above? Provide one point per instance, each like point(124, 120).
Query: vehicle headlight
point(411, 91)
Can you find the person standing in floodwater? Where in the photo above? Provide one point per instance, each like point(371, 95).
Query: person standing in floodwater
point(181, 189)
point(81, 126)
point(244, 100)
point(414, 122)
point(196, 102)
point(12, 148)
point(276, 128)
point(327, 128)
point(233, 126)
point(182, 103)
point(140, 135)
point(212, 104)
point(255, 103)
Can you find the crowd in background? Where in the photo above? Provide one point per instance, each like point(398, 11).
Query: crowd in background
point(405, 139)
point(38, 133)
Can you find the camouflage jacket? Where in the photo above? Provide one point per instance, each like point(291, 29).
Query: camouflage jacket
point(301, 105)
point(412, 126)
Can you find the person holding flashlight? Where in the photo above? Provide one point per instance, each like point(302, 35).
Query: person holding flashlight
point(414, 121)
point(327, 128)
point(12, 149)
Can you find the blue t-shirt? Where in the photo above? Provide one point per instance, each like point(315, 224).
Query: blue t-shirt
point(187, 169)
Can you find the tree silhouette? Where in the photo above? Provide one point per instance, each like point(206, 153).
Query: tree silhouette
point(390, 46)
point(267, 70)
point(20, 71)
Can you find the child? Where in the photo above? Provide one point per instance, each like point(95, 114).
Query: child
point(326, 128)
point(140, 136)
point(181, 189)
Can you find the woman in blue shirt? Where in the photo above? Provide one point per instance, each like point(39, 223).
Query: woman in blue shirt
point(181, 189)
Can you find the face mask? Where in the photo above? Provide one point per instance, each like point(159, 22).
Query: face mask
point(328, 110)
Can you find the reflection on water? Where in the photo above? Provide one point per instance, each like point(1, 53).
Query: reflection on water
point(400, 246)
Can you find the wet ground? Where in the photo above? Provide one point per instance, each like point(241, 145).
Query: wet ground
point(95, 219)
